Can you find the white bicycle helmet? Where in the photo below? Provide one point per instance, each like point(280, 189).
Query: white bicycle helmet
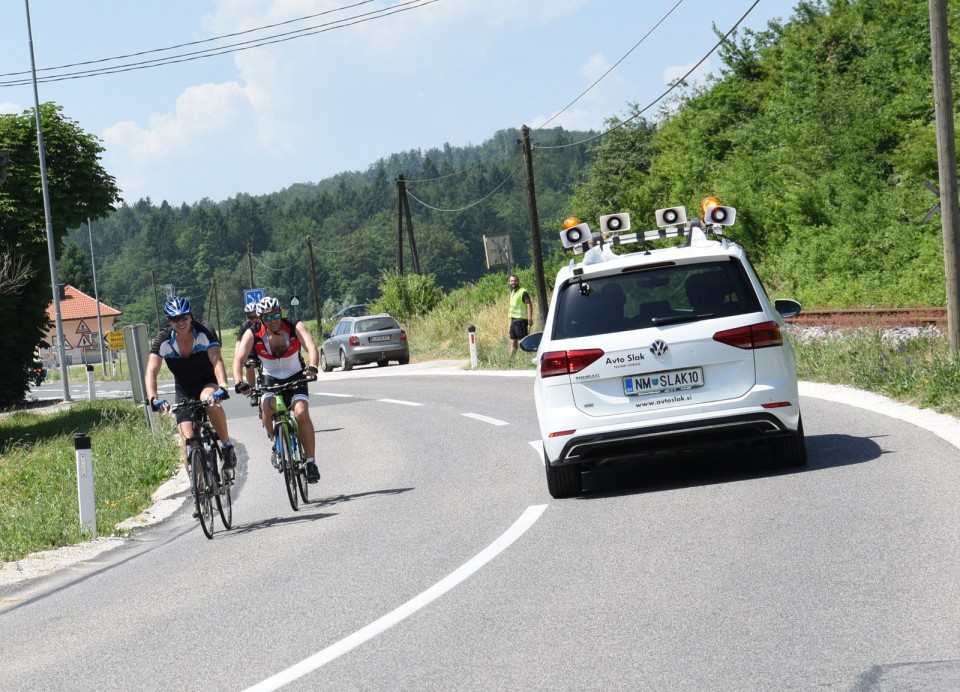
point(250, 308)
point(267, 304)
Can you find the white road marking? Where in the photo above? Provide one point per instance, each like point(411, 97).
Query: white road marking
point(321, 658)
point(538, 448)
point(400, 401)
point(342, 396)
point(485, 419)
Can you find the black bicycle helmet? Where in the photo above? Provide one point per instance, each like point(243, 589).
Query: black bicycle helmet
point(177, 306)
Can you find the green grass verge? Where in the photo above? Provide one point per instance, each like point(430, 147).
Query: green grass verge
point(39, 507)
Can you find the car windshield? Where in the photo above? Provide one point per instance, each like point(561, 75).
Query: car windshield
point(376, 324)
point(649, 297)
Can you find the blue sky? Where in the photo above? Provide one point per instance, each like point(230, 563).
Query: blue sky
point(438, 71)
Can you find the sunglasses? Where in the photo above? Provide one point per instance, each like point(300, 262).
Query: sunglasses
point(251, 316)
point(270, 318)
point(180, 318)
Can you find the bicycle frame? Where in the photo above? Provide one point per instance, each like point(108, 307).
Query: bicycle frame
point(207, 482)
point(286, 443)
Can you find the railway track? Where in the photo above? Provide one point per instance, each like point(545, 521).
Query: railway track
point(882, 318)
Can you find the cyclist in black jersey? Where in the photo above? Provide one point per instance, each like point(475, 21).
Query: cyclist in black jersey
point(252, 324)
point(191, 350)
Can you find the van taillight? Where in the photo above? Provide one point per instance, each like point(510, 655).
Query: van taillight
point(567, 362)
point(762, 335)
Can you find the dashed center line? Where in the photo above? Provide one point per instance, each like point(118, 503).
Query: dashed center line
point(339, 396)
point(485, 419)
point(400, 401)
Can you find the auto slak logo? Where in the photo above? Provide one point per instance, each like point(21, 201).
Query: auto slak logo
point(658, 347)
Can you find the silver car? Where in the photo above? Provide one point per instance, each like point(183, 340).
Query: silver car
point(361, 340)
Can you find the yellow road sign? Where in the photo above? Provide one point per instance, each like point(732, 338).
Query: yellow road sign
point(114, 340)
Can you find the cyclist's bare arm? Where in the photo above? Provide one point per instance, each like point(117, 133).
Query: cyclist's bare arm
point(150, 376)
point(240, 355)
point(313, 356)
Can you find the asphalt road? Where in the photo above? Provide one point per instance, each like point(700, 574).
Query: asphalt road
point(434, 559)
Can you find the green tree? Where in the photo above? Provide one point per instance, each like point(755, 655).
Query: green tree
point(80, 188)
point(73, 268)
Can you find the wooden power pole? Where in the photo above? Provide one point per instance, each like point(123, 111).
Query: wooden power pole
point(535, 245)
point(404, 213)
point(313, 286)
point(947, 164)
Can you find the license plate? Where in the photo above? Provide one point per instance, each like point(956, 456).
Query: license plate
point(658, 382)
point(382, 337)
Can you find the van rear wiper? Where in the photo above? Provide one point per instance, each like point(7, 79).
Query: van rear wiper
point(678, 319)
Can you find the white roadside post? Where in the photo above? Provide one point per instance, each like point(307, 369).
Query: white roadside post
point(91, 389)
point(472, 333)
point(88, 507)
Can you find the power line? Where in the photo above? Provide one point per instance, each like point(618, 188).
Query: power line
point(673, 86)
point(613, 67)
point(560, 112)
point(232, 48)
point(189, 43)
point(472, 204)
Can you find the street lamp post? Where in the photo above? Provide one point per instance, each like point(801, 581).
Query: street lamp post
point(51, 244)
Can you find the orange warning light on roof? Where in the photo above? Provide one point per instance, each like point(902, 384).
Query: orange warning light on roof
point(708, 203)
point(570, 222)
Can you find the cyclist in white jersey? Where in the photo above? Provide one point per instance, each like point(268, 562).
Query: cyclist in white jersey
point(278, 342)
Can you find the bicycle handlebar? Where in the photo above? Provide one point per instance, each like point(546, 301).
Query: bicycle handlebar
point(279, 388)
point(191, 404)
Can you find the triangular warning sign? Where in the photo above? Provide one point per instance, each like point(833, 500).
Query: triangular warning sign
point(66, 344)
point(84, 342)
point(83, 328)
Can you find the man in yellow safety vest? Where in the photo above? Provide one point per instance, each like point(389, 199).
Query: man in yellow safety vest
point(521, 313)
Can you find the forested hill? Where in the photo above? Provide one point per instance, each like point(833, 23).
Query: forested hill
point(819, 130)
point(458, 194)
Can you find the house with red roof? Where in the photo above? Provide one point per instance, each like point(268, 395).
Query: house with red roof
point(81, 335)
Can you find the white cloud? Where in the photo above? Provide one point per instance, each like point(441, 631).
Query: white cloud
point(671, 74)
point(7, 107)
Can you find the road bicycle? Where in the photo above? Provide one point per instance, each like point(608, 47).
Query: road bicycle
point(209, 481)
point(255, 363)
point(288, 456)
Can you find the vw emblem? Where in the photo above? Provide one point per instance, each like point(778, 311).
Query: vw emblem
point(658, 347)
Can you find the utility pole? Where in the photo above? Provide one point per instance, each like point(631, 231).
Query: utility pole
point(48, 216)
point(313, 285)
point(405, 213)
point(535, 246)
point(216, 301)
point(153, 280)
point(96, 298)
point(947, 164)
point(250, 265)
point(414, 255)
point(401, 191)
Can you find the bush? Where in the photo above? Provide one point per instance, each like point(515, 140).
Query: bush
point(407, 295)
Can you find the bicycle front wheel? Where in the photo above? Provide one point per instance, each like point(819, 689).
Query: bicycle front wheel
point(289, 470)
point(224, 500)
point(201, 491)
point(302, 473)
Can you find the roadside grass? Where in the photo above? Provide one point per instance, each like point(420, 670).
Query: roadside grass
point(39, 507)
point(915, 369)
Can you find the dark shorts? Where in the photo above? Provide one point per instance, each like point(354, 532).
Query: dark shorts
point(300, 392)
point(180, 393)
point(252, 358)
point(518, 329)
